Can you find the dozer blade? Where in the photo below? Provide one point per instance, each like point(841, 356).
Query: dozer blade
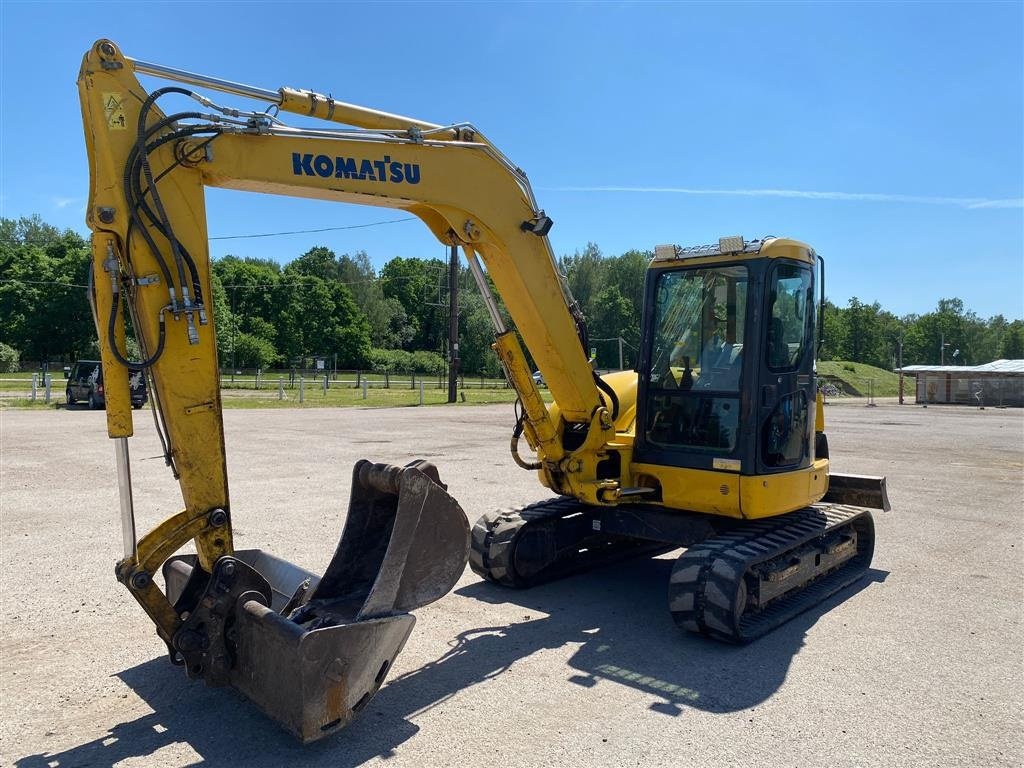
point(312, 651)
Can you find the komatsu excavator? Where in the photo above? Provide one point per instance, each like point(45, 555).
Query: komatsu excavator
point(714, 443)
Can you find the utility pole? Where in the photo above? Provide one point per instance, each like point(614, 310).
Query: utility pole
point(453, 324)
point(901, 370)
point(234, 324)
point(621, 366)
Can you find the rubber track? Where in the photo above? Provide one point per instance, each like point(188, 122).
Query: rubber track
point(496, 535)
point(708, 580)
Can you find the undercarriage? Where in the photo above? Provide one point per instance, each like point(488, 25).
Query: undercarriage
point(736, 580)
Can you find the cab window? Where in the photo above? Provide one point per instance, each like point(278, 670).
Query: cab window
point(789, 316)
point(696, 359)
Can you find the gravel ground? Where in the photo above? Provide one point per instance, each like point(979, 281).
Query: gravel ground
point(919, 664)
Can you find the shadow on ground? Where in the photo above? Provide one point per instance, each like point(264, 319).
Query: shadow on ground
point(616, 616)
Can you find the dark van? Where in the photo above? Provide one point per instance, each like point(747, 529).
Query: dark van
point(85, 384)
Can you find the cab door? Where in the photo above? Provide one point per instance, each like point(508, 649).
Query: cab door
point(786, 389)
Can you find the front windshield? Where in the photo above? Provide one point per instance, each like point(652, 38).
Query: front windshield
point(699, 321)
point(696, 358)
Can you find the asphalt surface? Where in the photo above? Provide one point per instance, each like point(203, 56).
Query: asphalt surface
point(918, 664)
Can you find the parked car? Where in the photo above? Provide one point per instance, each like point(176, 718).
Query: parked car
point(85, 384)
point(538, 379)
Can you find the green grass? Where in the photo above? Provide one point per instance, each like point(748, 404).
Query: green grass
point(27, 404)
point(244, 395)
point(857, 382)
point(23, 381)
point(350, 397)
point(17, 388)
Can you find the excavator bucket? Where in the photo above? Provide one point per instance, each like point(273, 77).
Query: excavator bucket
point(312, 651)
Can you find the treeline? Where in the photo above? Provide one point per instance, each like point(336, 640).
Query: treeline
point(318, 305)
point(339, 307)
point(610, 291)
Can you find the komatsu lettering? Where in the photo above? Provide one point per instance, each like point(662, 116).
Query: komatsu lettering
point(384, 169)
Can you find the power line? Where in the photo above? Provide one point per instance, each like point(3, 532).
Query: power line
point(331, 281)
point(313, 231)
point(40, 282)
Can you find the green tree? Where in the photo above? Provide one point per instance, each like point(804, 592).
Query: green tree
point(43, 273)
point(321, 318)
point(388, 318)
point(419, 285)
point(476, 334)
point(317, 262)
point(9, 358)
point(226, 324)
point(254, 352)
point(862, 331)
point(611, 315)
point(628, 272)
point(253, 289)
point(836, 333)
point(1012, 342)
point(585, 274)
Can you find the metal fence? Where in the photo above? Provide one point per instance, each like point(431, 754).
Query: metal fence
point(39, 388)
point(353, 379)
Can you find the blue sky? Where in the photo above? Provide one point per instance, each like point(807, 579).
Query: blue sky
point(889, 136)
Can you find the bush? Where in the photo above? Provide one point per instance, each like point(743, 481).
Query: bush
point(389, 360)
point(400, 361)
point(9, 358)
point(849, 367)
point(253, 352)
point(429, 363)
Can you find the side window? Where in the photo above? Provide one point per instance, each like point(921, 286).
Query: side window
point(784, 435)
point(789, 316)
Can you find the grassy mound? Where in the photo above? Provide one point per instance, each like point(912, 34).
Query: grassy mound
point(855, 378)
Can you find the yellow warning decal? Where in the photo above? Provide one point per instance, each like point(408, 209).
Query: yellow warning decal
point(114, 110)
point(729, 465)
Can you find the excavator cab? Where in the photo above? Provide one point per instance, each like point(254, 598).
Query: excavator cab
point(727, 377)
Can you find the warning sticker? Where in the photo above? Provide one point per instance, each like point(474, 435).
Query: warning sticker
point(114, 109)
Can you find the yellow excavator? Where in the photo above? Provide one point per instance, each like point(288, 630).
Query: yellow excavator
point(714, 443)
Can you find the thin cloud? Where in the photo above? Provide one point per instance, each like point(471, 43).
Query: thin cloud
point(869, 197)
point(64, 202)
point(1013, 202)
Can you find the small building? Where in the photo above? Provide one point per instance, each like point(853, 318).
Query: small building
point(998, 384)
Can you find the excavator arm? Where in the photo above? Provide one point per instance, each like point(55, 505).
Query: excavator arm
point(452, 178)
point(243, 617)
